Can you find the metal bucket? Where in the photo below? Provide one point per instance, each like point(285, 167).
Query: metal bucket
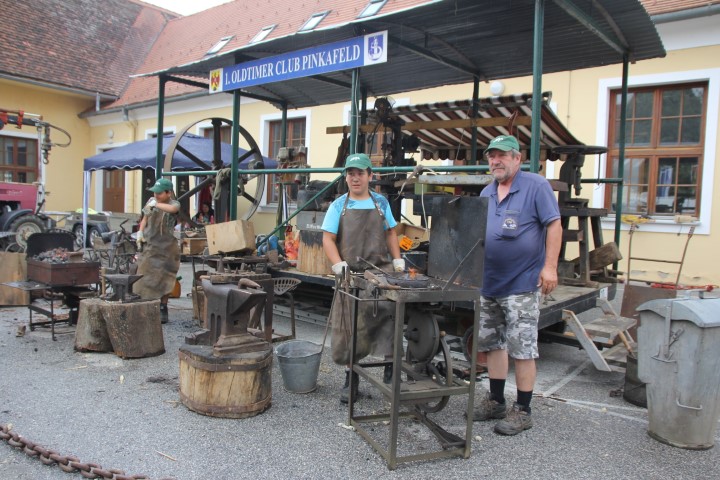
point(635, 391)
point(299, 365)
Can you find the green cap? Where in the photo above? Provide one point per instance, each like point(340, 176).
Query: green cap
point(162, 185)
point(504, 143)
point(358, 160)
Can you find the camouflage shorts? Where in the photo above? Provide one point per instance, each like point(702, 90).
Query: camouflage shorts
point(510, 323)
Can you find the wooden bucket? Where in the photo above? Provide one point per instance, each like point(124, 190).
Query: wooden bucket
point(229, 386)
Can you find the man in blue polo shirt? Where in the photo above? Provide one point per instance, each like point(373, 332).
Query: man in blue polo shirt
point(522, 246)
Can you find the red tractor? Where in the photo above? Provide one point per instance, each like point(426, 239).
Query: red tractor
point(21, 204)
point(20, 218)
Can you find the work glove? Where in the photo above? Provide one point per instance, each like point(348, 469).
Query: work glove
point(140, 240)
point(398, 264)
point(149, 206)
point(338, 267)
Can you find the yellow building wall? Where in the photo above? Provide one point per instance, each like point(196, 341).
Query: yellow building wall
point(63, 173)
point(574, 96)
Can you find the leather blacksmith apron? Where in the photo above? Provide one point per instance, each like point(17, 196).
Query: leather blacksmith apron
point(160, 258)
point(361, 234)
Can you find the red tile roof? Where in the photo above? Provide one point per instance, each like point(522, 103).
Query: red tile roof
point(83, 44)
point(95, 46)
point(187, 39)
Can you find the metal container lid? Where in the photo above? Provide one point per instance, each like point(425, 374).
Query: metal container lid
point(703, 312)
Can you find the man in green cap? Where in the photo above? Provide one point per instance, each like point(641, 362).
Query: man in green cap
point(522, 246)
point(359, 228)
point(160, 258)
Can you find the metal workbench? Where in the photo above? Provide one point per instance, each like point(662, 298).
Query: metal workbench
point(408, 397)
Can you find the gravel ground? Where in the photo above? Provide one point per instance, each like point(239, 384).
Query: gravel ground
point(126, 414)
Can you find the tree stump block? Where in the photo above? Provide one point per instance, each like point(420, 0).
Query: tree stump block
point(134, 328)
point(91, 333)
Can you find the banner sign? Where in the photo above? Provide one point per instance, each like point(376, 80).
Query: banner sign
point(332, 57)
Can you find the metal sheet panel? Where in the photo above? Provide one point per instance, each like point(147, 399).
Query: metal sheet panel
point(457, 239)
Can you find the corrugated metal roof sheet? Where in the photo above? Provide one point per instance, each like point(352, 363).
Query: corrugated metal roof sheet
point(491, 39)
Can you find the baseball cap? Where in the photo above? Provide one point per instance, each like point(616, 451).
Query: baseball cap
point(504, 143)
point(162, 185)
point(358, 160)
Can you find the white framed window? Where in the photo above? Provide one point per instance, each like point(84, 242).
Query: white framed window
point(263, 33)
point(314, 21)
point(709, 77)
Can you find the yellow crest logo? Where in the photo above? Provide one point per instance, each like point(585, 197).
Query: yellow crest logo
point(215, 77)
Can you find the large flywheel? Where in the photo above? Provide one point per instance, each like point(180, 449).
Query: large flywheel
point(250, 187)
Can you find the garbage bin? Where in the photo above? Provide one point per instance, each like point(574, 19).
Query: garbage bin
point(678, 344)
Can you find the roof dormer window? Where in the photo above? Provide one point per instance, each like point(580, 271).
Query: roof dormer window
point(219, 45)
point(313, 21)
point(262, 34)
point(372, 8)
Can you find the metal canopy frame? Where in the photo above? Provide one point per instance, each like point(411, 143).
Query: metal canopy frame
point(445, 42)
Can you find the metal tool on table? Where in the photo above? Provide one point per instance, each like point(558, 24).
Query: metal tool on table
point(393, 280)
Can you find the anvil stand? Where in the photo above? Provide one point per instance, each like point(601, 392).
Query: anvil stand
point(399, 393)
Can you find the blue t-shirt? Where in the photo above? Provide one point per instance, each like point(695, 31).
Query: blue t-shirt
point(515, 237)
point(331, 222)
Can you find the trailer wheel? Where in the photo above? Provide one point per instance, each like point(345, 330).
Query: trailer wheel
point(24, 227)
point(93, 231)
point(79, 237)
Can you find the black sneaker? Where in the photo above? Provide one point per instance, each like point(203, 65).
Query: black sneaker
point(345, 392)
point(387, 374)
point(489, 409)
point(516, 421)
point(163, 313)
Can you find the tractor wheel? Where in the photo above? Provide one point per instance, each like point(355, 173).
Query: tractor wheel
point(24, 227)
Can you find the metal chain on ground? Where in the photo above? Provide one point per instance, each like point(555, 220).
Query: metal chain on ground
point(66, 463)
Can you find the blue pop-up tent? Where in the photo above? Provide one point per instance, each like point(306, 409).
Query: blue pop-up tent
point(141, 154)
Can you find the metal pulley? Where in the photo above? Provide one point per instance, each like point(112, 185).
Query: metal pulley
point(423, 336)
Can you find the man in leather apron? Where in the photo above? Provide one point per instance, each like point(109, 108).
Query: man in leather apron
point(359, 228)
point(160, 258)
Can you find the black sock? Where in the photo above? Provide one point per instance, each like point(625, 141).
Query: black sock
point(523, 399)
point(497, 389)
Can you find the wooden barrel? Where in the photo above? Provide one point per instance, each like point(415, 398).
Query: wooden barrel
point(230, 386)
point(311, 257)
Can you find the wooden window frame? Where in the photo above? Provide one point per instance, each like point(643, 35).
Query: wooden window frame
point(14, 169)
point(655, 151)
